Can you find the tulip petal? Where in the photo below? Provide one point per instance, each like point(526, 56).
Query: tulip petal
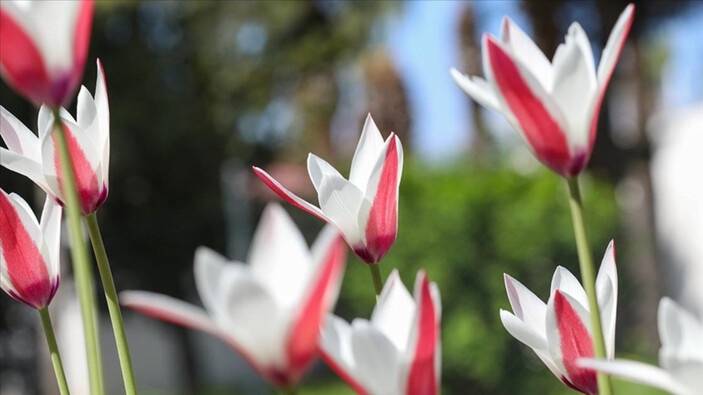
point(478, 88)
point(208, 268)
point(377, 360)
point(17, 137)
point(336, 350)
point(23, 255)
point(566, 283)
point(639, 372)
point(318, 169)
point(569, 339)
point(302, 341)
point(21, 62)
point(50, 225)
point(21, 164)
point(366, 154)
point(103, 113)
point(526, 306)
point(279, 256)
point(527, 52)
point(575, 86)
point(380, 220)
point(288, 196)
point(522, 332)
point(679, 331)
point(608, 60)
point(394, 311)
point(539, 119)
point(607, 292)
point(423, 376)
point(340, 200)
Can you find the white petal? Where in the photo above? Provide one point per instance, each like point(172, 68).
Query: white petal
point(367, 151)
point(50, 225)
point(526, 306)
point(25, 166)
point(318, 169)
point(522, 332)
point(553, 334)
point(103, 113)
point(254, 319)
point(288, 195)
point(321, 245)
point(612, 49)
point(478, 88)
point(336, 342)
point(377, 360)
point(680, 332)
point(340, 201)
point(607, 292)
point(639, 372)
point(45, 121)
point(394, 311)
point(371, 188)
point(564, 281)
point(279, 257)
point(17, 137)
point(169, 309)
point(526, 52)
point(208, 269)
point(575, 86)
point(84, 142)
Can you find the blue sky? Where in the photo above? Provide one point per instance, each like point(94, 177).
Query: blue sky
point(424, 44)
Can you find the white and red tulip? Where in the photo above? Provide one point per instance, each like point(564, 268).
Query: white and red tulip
point(680, 357)
point(554, 105)
point(363, 208)
point(43, 47)
point(88, 139)
point(560, 331)
point(29, 250)
point(268, 311)
point(398, 351)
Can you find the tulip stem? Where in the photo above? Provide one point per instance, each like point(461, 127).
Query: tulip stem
point(113, 305)
point(81, 261)
point(377, 279)
point(54, 350)
point(588, 279)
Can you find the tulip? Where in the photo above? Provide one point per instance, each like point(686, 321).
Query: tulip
point(363, 208)
point(269, 311)
point(680, 357)
point(29, 250)
point(553, 106)
point(88, 141)
point(43, 47)
point(560, 331)
point(398, 351)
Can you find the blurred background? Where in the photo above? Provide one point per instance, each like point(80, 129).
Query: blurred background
point(200, 91)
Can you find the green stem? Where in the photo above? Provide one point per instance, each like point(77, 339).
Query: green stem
point(113, 305)
point(81, 262)
point(54, 350)
point(588, 279)
point(377, 279)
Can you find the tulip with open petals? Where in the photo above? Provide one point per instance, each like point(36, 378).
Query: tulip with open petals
point(43, 47)
point(553, 106)
point(88, 139)
point(270, 310)
point(29, 250)
point(398, 350)
point(560, 331)
point(365, 207)
point(680, 357)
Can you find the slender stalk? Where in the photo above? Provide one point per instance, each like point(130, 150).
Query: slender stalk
point(54, 350)
point(377, 279)
point(81, 262)
point(113, 305)
point(588, 278)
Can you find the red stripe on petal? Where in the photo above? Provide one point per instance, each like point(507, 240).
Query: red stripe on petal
point(574, 342)
point(90, 195)
point(302, 343)
point(21, 62)
point(286, 195)
point(382, 226)
point(343, 374)
point(542, 131)
point(422, 378)
point(26, 270)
